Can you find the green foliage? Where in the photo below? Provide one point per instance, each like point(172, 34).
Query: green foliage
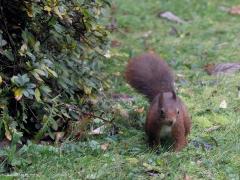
point(51, 55)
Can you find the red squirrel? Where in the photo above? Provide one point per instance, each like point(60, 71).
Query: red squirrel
point(167, 114)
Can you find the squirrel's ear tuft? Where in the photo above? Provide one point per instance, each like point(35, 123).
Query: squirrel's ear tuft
point(174, 95)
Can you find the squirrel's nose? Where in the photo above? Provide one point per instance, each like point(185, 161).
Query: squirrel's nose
point(170, 123)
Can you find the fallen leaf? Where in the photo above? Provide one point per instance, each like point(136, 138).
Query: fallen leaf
point(59, 136)
point(113, 25)
point(147, 34)
point(235, 10)
point(107, 54)
point(212, 128)
point(224, 68)
point(223, 104)
point(115, 43)
point(98, 130)
point(104, 147)
point(171, 17)
point(8, 134)
point(186, 177)
point(139, 110)
point(123, 97)
point(180, 75)
point(117, 74)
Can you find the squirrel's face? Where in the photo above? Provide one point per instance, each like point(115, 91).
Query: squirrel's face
point(168, 109)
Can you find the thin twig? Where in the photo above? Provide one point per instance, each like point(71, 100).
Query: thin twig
point(90, 45)
point(99, 117)
point(32, 112)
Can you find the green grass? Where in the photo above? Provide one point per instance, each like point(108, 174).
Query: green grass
point(210, 36)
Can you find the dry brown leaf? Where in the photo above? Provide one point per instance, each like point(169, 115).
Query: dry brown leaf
point(235, 10)
point(59, 136)
point(171, 17)
point(186, 177)
point(115, 43)
point(104, 147)
point(112, 25)
point(224, 68)
point(139, 110)
point(122, 97)
point(8, 134)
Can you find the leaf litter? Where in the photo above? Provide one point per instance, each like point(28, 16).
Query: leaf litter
point(171, 17)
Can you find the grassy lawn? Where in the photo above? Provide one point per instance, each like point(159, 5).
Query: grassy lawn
point(209, 36)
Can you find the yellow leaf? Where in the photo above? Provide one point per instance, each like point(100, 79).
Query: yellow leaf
point(18, 93)
point(58, 13)
point(1, 80)
point(52, 72)
point(47, 8)
point(37, 95)
point(87, 90)
point(29, 12)
point(55, 2)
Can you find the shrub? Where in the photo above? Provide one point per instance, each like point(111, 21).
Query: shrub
point(51, 55)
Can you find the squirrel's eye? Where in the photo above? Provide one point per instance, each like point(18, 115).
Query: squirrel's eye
point(162, 112)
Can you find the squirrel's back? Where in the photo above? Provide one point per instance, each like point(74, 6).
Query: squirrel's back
point(149, 75)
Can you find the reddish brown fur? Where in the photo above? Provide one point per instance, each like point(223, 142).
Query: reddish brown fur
point(152, 77)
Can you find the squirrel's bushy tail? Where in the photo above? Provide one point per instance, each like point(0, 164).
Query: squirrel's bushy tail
point(149, 75)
